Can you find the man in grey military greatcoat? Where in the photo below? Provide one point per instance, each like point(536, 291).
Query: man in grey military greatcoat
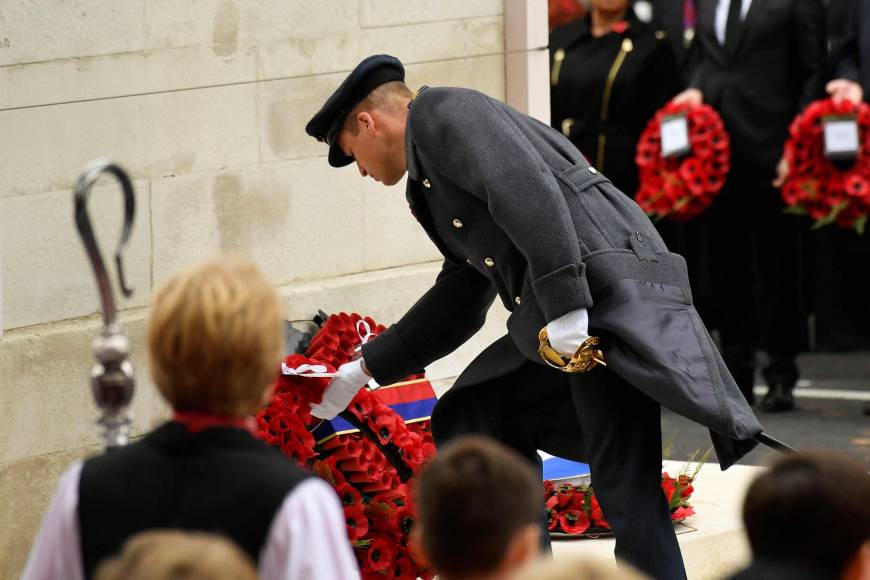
point(518, 213)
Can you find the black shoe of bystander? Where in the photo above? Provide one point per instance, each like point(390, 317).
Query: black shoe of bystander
point(779, 397)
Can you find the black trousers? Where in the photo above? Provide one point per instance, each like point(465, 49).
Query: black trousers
point(755, 291)
point(597, 417)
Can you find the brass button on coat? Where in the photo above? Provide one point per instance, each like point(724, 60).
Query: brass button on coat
point(426, 184)
point(457, 223)
point(489, 262)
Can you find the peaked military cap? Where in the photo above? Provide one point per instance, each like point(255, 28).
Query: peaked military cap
point(367, 76)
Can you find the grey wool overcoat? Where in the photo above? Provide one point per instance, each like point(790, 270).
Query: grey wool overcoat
point(518, 213)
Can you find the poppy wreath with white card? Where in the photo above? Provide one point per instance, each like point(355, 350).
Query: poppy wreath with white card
point(369, 453)
point(828, 153)
point(683, 157)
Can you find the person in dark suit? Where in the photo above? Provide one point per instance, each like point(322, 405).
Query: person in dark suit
point(852, 69)
point(760, 62)
point(841, 304)
point(518, 213)
point(678, 19)
point(609, 74)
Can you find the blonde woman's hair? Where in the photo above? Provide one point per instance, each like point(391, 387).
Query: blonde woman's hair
point(215, 337)
point(176, 555)
point(576, 569)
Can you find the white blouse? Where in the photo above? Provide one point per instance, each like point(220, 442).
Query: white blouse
point(307, 539)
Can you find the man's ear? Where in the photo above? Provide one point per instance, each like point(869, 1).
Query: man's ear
point(366, 121)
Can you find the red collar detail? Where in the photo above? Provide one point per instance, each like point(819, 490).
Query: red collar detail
point(196, 422)
point(620, 27)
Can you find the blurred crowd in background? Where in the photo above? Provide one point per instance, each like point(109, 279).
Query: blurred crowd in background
point(763, 280)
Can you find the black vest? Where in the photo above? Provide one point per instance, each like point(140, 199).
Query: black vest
point(221, 480)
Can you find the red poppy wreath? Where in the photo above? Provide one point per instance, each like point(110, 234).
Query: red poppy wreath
point(829, 188)
point(680, 187)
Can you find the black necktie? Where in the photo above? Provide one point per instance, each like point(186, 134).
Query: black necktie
point(733, 25)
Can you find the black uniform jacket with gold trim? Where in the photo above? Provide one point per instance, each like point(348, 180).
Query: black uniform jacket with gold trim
point(517, 212)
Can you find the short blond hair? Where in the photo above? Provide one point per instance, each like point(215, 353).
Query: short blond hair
point(215, 337)
point(388, 97)
point(176, 555)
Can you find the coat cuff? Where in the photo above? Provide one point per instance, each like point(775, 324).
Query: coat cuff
point(562, 291)
point(388, 359)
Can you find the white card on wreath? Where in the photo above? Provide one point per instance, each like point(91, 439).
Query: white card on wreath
point(841, 138)
point(675, 136)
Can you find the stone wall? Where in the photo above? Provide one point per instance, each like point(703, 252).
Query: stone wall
point(204, 103)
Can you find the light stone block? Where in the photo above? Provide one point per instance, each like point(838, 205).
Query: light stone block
point(100, 77)
point(46, 274)
point(26, 489)
point(296, 220)
point(151, 135)
point(225, 23)
point(485, 74)
point(375, 13)
point(293, 57)
point(45, 398)
point(287, 105)
point(2, 210)
point(285, 108)
point(41, 30)
point(385, 295)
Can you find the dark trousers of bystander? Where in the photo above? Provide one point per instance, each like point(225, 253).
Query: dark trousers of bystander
point(756, 293)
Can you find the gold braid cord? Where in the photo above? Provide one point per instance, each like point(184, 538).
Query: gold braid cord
point(587, 357)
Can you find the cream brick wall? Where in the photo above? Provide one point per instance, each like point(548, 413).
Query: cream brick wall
point(204, 102)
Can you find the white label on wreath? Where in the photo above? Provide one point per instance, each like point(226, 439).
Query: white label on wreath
point(841, 137)
point(675, 136)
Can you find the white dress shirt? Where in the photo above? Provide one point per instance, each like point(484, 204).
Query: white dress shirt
point(722, 16)
point(308, 538)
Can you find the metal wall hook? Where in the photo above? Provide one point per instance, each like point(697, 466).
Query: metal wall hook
point(112, 381)
point(85, 182)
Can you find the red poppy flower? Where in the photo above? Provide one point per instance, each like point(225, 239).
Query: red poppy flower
point(564, 495)
point(383, 516)
point(856, 185)
point(356, 522)
point(384, 426)
point(350, 450)
point(348, 494)
point(597, 514)
point(404, 568)
point(328, 471)
point(578, 502)
point(379, 555)
point(574, 521)
point(682, 513)
point(552, 519)
point(619, 27)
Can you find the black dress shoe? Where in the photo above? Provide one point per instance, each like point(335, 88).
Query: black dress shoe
point(779, 397)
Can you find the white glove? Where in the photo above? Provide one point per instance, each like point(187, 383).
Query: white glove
point(343, 387)
point(568, 332)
